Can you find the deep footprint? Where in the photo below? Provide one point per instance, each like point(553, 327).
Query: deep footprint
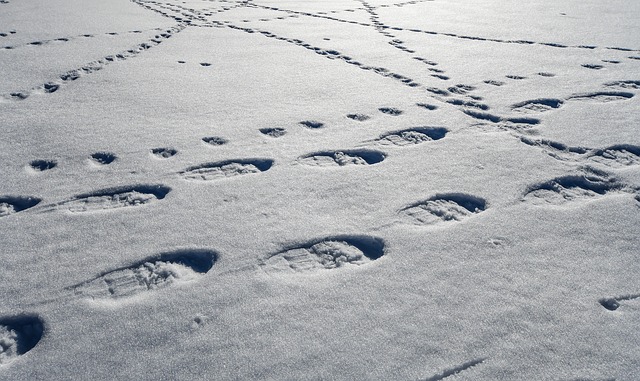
point(586, 186)
point(14, 204)
point(152, 273)
point(227, 168)
point(115, 198)
point(621, 155)
point(325, 254)
point(602, 96)
point(214, 140)
point(444, 208)
point(412, 136)
point(537, 105)
point(342, 158)
point(18, 335)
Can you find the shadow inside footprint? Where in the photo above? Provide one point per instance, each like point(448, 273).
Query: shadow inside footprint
point(18, 335)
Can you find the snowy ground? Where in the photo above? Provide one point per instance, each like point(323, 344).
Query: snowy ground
point(306, 190)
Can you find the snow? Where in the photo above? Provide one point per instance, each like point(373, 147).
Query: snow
point(336, 190)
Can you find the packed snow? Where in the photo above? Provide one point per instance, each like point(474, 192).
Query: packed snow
point(319, 190)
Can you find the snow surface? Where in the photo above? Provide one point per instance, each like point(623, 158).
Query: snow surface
point(319, 190)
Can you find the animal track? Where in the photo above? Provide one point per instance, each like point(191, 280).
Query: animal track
point(312, 124)
point(494, 82)
point(115, 198)
point(163, 153)
point(444, 208)
point(103, 158)
point(497, 119)
point(215, 140)
point(18, 335)
point(359, 117)
point(390, 111)
point(14, 204)
point(427, 106)
point(592, 66)
point(588, 185)
point(454, 371)
point(151, 273)
point(411, 136)
point(325, 254)
point(472, 104)
point(43, 165)
point(273, 132)
point(602, 96)
point(537, 105)
point(342, 158)
point(227, 168)
point(613, 304)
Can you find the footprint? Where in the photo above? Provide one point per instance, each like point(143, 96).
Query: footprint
point(548, 75)
point(215, 140)
point(602, 96)
point(359, 117)
point(152, 273)
point(205, 64)
point(325, 254)
point(103, 158)
point(390, 111)
point(342, 158)
point(537, 105)
point(620, 155)
point(273, 132)
point(18, 335)
point(613, 304)
point(586, 186)
point(461, 89)
point(163, 153)
point(516, 77)
point(227, 168)
point(43, 165)
point(624, 84)
point(444, 208)
point(115, 198)
point(312, 124)
point(411, 136)
point(14, 204)
point(461, 102)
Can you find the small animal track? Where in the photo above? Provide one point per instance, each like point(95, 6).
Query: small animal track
point(515, 77)
point(273, 132)
point(359, 117)
point(444, 208)
point(163, 153)
point(390, 111)
point(496, 119)
point(588, 185)
point(494, 82)
point(151, 273)
point(537, 105)
point(14, 204)
point(602, 96)
point(342, 158)
point(471, 104)
point(103, 158)
point(427, 106)
point(613, 304)
point(412, 136)
point(324, 254)
point(215, 140)
point(456, 370)
point(312, 124)
point(114, 198)
point(18, 335)
point(43, 165)
point(593, 66)
point(228, 168)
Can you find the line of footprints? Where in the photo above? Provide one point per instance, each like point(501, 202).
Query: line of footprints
point(21, 333)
